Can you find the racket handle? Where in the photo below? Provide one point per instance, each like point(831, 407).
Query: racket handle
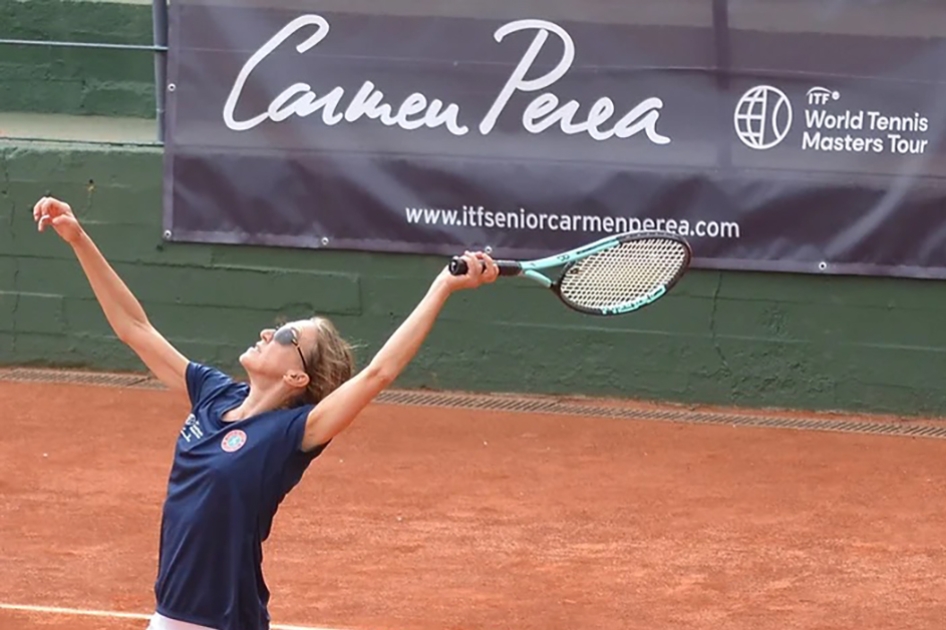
point(458, 266)
point(506, 267)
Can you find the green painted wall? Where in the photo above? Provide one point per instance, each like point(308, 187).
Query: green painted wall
point(76, 80)
point(730, 338)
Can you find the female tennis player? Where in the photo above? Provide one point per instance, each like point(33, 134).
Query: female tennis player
point(244, 446)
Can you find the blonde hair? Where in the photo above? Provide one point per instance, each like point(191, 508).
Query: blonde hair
point(331, 362)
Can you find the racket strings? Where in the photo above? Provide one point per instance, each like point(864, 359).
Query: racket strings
point(623, 274)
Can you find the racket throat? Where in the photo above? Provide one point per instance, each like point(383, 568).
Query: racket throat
point(535, 275)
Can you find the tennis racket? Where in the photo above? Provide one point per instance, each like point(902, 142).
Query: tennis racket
point(614, 275)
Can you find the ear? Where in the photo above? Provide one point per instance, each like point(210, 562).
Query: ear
point(296, 379)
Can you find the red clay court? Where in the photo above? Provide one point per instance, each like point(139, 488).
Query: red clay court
point(446, 515)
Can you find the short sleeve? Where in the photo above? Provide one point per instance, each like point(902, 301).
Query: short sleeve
point(204, 382)
point(287, 459)
point(295, 433)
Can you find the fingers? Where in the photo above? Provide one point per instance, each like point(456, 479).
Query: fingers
point(40, 209)
point(56, 208)
point(492, 269)
point(481, 268)
point(473, 266)
point(50, 205)
point(488, 271)
point(47, 209)
point(41, 213)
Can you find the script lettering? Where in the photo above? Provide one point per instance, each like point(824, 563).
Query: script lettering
point(543, 112)
point(299, 99)
point(418, 110)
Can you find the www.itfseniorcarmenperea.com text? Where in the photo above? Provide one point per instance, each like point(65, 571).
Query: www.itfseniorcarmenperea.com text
point(469, 216)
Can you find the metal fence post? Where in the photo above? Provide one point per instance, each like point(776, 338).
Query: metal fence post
point(723, 66)
point(159, 12)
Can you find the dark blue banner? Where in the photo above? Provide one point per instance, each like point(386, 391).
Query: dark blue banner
point(772, 135)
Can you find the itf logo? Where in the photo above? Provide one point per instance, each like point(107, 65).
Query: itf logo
point(763, 117)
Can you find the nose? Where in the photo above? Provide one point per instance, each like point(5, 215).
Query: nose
point(266, 334)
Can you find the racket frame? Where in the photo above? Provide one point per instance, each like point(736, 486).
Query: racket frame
point(531, 268)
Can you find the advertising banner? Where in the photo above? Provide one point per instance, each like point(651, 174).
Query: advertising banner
point(775, 136)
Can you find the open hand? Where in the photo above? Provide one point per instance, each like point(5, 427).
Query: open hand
point(49, 211)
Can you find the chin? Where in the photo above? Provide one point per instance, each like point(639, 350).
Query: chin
point(246, 359)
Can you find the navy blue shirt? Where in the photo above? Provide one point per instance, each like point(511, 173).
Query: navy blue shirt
point(226, 483)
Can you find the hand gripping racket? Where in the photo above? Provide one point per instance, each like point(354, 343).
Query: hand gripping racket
point(615, 275)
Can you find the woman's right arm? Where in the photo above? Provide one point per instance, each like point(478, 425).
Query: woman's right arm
point(122, 310)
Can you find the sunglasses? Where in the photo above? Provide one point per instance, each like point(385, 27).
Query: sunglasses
point(289, 336)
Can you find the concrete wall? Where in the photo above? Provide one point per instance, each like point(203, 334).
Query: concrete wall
point(76, 80)
point(731, 338)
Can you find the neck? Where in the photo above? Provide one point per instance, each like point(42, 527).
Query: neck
point(261, 399)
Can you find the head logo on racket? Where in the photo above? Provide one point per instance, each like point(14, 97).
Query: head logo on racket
point(233, 441)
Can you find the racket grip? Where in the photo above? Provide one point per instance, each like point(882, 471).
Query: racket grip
point(506, 267)
point(458, 266)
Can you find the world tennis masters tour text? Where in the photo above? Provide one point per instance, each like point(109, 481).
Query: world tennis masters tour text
point(478, 216)
point(889, 138)
point(828, 128)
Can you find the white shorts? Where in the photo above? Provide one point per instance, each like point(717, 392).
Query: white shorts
point(160, 622)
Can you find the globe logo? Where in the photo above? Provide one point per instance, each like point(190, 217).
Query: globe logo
point(763, 117)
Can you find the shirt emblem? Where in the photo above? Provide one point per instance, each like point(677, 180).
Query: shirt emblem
point(233, 441)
